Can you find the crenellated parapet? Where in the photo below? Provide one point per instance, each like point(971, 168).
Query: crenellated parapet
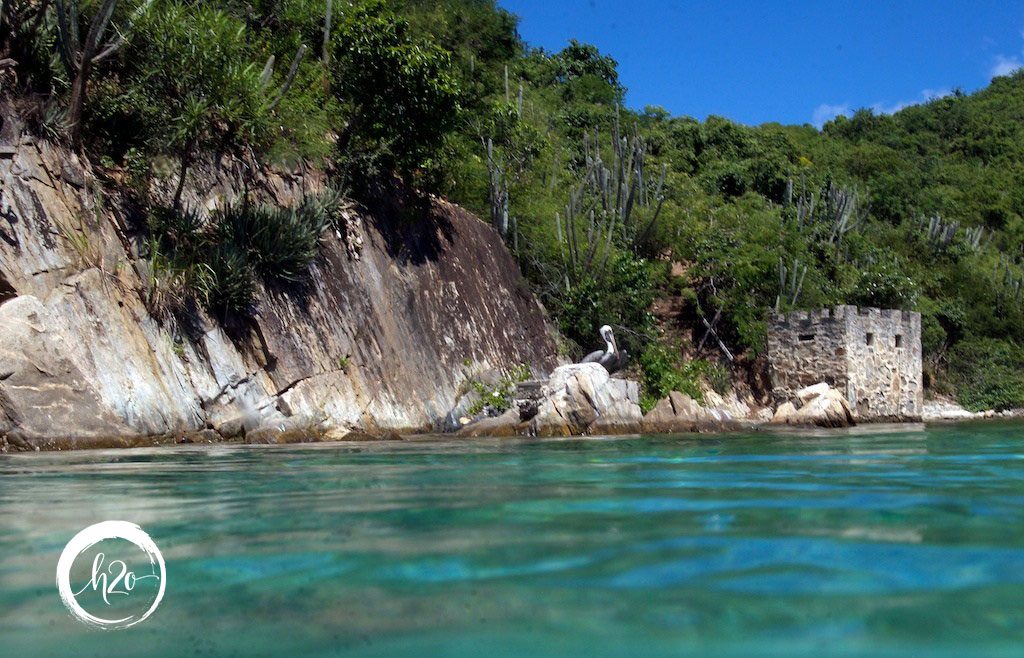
point(873, 355)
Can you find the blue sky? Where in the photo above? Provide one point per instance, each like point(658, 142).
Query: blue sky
point(796, 61)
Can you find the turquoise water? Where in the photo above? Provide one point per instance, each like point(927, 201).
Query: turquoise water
point(874, 542)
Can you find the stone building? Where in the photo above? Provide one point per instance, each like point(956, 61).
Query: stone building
point(872, 355)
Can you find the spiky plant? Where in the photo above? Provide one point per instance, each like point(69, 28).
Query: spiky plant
point(616, 206)
point(280, 242)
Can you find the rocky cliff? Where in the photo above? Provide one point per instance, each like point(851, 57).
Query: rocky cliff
point(380, 340)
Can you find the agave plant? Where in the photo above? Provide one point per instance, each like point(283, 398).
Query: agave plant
point(280, 242)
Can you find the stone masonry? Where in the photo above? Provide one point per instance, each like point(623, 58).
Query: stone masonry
point(872, 355)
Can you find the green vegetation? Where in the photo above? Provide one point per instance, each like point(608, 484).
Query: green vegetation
point(218, 261)
point(498, 397)
point(613, 214)
point(664, 371)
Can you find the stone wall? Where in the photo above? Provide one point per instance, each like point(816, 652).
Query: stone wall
point(884, 363)
point(385, 341)
point(805, 348)
point(872, 355)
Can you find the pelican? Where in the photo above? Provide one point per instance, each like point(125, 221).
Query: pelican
point(611, 357)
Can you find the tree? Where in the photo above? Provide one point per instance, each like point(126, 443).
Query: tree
point(194, 73)
point(400, 91)
point(79, 57)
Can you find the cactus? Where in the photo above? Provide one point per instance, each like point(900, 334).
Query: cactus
point(328, 18)
point(288, 81)
point(791, 283)
point(609, 206)
point(940, 235)
point(497, 191)
point(840, 209)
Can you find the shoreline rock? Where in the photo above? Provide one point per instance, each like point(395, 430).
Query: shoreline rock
point(577, 400)
point(380, 335)
point(817, 405)
point(679, 413)
point(945, 410)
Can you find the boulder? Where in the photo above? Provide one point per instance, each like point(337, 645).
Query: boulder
point(577, 399)
point(583, 398)
point(940, 410)
point(808, 393)
point(818, 405)
point(460, 414)
point(506, 425)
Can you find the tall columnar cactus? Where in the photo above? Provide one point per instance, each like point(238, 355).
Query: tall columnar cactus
point(616, 205)
point(940, 235)
point(791, 283)
point(268, 72)
point(328, 19)
point(841, 210)
point(507, 162)
point(1009, 286)
point(497, 191)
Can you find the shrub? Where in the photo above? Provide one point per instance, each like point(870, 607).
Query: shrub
point(665, 371)
point(280, 243)
point(988, 374)
point(884, 286)
point(218, 262)
point(230, 288)
point(619, 296)
point(170, 282)
point(499, 397)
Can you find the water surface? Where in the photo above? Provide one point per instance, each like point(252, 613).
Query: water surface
point(883, 542)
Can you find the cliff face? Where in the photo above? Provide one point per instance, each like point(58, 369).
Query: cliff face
point(379, 342)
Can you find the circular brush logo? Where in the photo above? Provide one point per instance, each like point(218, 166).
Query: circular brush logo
point(111, 575)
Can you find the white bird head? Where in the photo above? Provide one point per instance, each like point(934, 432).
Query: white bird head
point(606, 333)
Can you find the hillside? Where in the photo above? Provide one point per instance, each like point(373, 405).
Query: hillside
point(682, 234)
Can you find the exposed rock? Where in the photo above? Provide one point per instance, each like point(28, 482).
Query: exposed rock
point(231, 428)
point(730, 405)
point(281, 436)
point(679, 413)
point(409, 307)
point(585, 399)
point(506, 425)
point(947, 410)
point(819, 405)
point(43, 393)
point(807, 394)
point(460, 415)
point(785, 413)
point(201, 437)
point(577, 399)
